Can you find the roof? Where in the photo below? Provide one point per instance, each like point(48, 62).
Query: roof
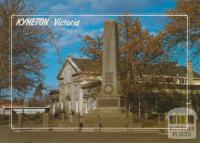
point(82, 65)
point(167, 69)
point(181, 111)
point(68, 60)
point(56, 91)
point(88, 65)
point(7, 103)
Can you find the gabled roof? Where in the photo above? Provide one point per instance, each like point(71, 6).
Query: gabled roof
point(52, 92)
point(87, 65)
point(82, 66)
point(68, 60)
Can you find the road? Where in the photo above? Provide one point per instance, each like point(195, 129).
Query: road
point(9, 136)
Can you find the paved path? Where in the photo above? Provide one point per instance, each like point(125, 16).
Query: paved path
point(8, 136)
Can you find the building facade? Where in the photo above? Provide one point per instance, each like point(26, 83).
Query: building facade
point(79, 82)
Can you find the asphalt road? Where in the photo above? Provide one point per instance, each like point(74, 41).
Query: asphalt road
point(9, 136)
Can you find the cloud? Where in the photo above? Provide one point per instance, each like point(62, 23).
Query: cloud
point(102, 6)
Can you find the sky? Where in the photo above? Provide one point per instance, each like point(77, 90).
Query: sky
point(69, 41)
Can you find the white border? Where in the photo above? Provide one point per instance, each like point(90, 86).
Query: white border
point(105, 15)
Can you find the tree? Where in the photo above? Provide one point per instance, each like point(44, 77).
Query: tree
point(92, 47)
point(38, 91)
point(176, 29)
point(27, 48)
point(138, 47)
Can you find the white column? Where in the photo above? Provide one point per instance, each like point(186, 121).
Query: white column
point(53, 109)
point(94, 104)
point(76, 106)
point(86, 106)
point(61, 105)
point(69, 106)
point(81, 101)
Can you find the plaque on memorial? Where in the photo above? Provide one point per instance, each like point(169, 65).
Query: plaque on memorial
point(109, 77)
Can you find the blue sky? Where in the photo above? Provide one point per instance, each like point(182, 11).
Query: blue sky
point(69, 42)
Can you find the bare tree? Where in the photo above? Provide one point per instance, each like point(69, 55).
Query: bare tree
point(27, 48)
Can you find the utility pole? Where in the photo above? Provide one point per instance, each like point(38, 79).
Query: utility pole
point(156, 104)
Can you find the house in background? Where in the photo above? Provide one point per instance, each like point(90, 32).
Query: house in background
point(19, 107)
point(5, 106)
point(79, 82)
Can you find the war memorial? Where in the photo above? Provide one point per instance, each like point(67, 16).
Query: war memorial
point(111, 103)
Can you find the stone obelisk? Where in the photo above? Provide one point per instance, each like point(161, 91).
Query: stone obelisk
point(110, 97)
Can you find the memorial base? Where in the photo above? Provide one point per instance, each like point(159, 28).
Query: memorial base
point(116, 103)
point(112, 111)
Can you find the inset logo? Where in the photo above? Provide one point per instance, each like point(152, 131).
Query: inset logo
point(182, 123)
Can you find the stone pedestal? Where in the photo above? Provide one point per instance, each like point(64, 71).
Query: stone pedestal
point(113, 103)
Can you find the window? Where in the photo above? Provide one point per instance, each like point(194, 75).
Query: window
point(75, 90)
point(182, 80)
point(172, 119)
point(181, 119)
point(191, 119)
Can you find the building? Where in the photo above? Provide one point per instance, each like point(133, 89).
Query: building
point(80, 81)
point(181, 80)
point(19, 107)
point(5, 106)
